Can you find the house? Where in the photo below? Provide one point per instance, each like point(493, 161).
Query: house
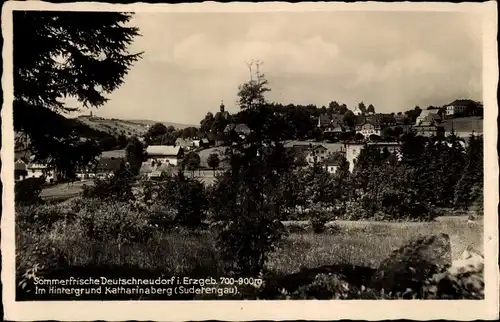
point(107, 167)
point(186, 144)
point(368, 128)
point(155, 171)
point(37, 170)
point(352, 151)
point(205, 143)
point(335, 130)
point(458, 106)
point(114, 154)
point(317, 154)
point(423, 115)
point(324, 120)
point(86, 173)
point(400, 118)
point(333, 162)
point(392, 147)
point(20, 170)
point(164, 154)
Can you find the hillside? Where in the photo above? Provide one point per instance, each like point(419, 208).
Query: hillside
point(60, 125)
point(465, 125)
point(118, 127)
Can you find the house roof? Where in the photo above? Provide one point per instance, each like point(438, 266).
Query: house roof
point(462, 102)
point(114, 154)
point(109, 164)
point(324, 119)
point(155, 171)
point(19, 165)
point(184, 142)
point(163, 150)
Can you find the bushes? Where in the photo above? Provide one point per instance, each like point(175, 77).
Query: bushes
point(318, 220)
point(114, 222)
point(28, 191)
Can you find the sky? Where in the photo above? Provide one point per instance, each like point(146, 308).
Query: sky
point(393, 60)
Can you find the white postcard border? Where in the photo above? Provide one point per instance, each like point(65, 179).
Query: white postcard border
point(251, 310)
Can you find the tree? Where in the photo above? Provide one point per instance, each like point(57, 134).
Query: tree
point(362, 108)
point(191, 161)
point(349, 119)
point(82, 55)
point(108, 143)
point(219, 123)
point(343, 109)
point(469, 187)
point(134, 154)
point(213, 161)
point(358, 137)
point(122, 141)
point(168, 138)
point(206, 123)
point(157, 130)
point(248, 200)
point(370, 109)
point(189, 132)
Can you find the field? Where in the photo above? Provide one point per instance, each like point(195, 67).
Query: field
point(368, 243)
point(108, 239)
point(63, 190)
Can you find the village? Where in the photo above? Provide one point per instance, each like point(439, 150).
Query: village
point(338, 139)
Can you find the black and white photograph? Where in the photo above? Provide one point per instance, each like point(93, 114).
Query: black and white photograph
point(152, 153)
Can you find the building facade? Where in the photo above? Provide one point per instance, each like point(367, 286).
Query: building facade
point(164, 154)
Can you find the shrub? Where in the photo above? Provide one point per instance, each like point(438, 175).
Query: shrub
point(28, 191)
point(113, 222)
point(318, 220)
point(40, 218)
point(118, 187)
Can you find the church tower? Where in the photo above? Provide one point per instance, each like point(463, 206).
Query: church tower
point(222, 107)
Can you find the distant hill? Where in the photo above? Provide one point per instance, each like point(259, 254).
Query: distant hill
point(176, 125)
point(118, 127)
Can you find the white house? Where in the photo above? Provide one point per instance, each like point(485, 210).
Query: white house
point(368, 128)
point(352, 151)
point(456, 107)
point(37, 170)
point(318, 154)
point(333, 162)
point(164, 154)
point(20, 170)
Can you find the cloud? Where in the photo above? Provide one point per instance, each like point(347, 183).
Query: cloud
point(394, 60)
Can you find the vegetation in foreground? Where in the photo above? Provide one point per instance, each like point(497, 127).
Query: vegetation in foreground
point(102, 238)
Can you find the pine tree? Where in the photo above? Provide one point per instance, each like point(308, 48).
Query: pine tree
point(59, 54)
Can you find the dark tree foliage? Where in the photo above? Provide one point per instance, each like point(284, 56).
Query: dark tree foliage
point(469, 188)
point(213, 161)
point(247, 198)
point(191, 161)
point(57, 55)
point(117, 187)
point(28, 191)
point(134, 154)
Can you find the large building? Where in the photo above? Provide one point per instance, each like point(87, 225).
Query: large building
point(164, 154)
point(352, 150)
